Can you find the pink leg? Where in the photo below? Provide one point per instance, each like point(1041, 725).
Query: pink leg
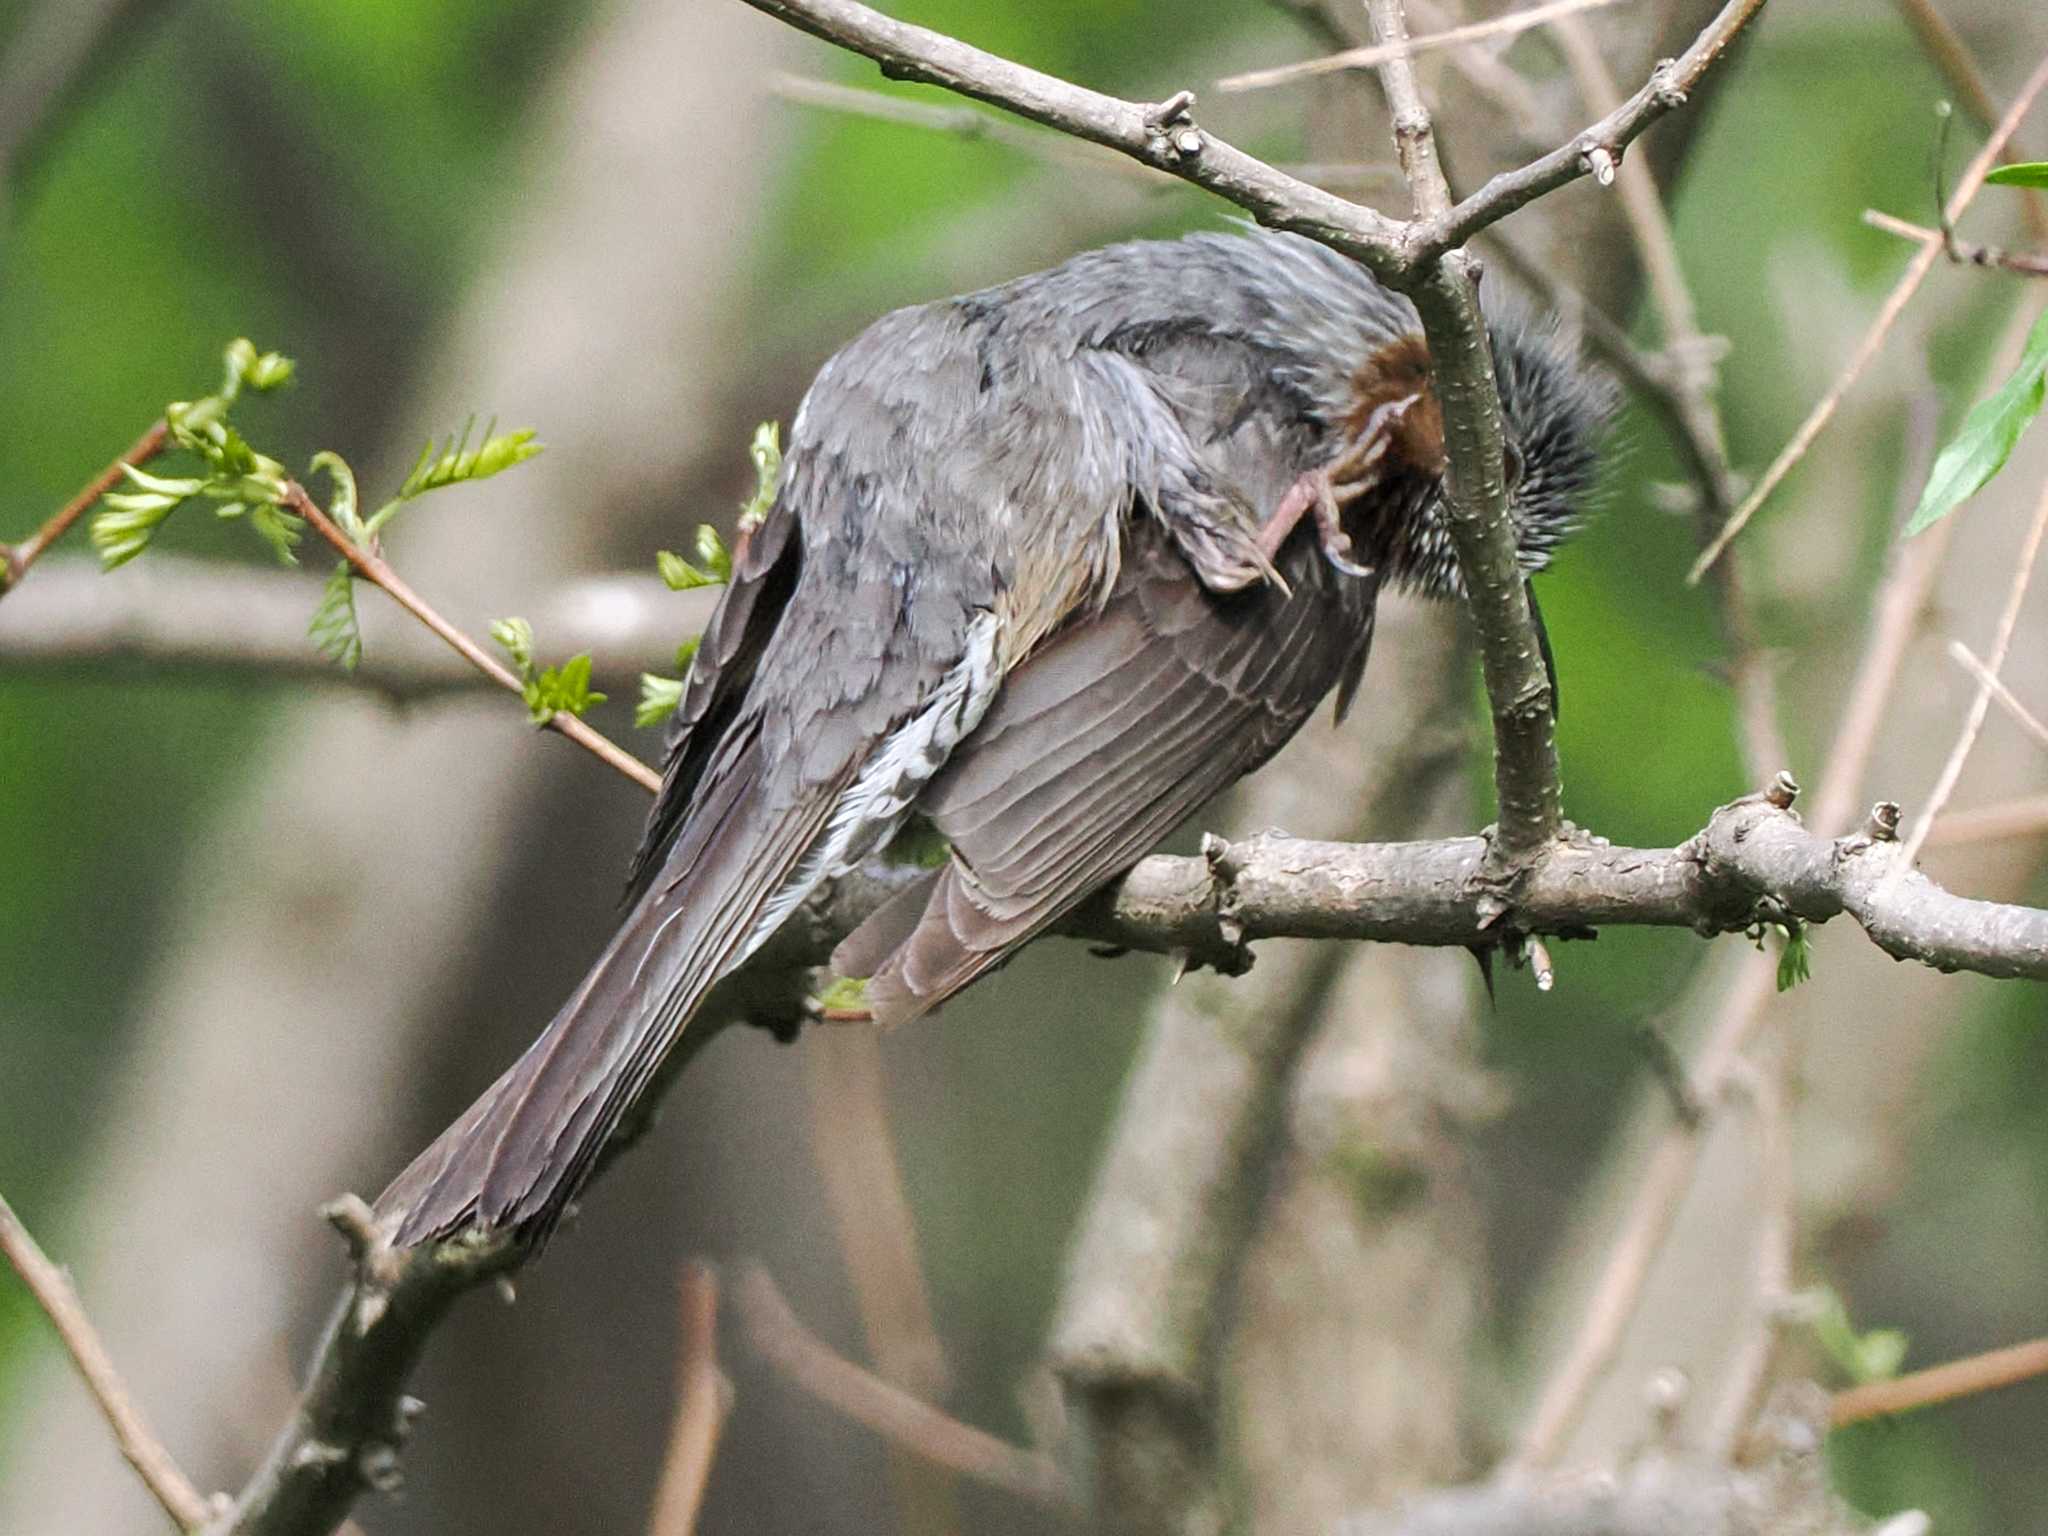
point(1315, 491)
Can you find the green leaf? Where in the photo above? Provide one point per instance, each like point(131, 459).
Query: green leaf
point(562, 690)
point(678, 574)
point(123, 533)
point(334, 629)
point(342, 506)
point(1795, 961)
point(280, 529)
point(2025, 173)
point(457, 462)
point(1985, 441)
point(687, 653)
point(712, 554)
point(161, 485)
point(1863, 1357)
point(766, 451)
point(844, 995)
point(515, 637)
point(659, 698)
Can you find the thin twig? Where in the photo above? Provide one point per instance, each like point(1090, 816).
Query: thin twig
point(1980, 705)
point(855, 1155)
point(703, 1399)
point(1695, 381)
point(1963, 252)
point(1595, 151)
point(959, 123)
point(1367, 58)
point(1887, 315)
point(781, 1337)
point(376, 570)
point(1941, 1383)
point(1163, 135)
point(2028, 721)
point(15, 559)
point(1767, 1085)
point(1667, 1174)
point(53, 1292)
point(1951, 55)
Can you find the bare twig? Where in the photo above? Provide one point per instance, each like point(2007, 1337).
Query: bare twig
point(138, 1442)
point(1667, 1174)
point(703, 1398)
point(1941, 1383)
point(1880, 327)
point(1366, 58)
point(1164, 136)
point(15, 559)
point(1595, 151)
point(1766, 1084)
point(902, 1420)
point(376, 570)
point(1694, 381)
point(1951, 55)
point(1980, 705)
point(2025, 263)
point(855, 1154)
point(2028, 721)
point(959, 123)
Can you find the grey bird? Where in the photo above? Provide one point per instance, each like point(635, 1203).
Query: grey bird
point(1050, 565)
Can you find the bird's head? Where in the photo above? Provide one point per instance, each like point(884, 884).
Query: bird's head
point(1555, 410)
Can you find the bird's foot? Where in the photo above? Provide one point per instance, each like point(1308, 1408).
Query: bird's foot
point(1323, 492)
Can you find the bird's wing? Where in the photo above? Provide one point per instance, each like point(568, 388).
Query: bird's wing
point(825, 695)
point(764, 572)
point(1115, 731)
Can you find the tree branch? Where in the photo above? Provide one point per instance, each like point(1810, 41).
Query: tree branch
point(15, 559)
point(902, 1419)
point(1753, 860)
point(213, 619)
point(138, 1442)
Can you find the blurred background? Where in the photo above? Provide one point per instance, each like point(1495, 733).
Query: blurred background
point(258, 940)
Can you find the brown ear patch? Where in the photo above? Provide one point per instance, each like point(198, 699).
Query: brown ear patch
point(1401, 371)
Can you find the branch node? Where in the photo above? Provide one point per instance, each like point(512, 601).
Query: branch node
point(1177, 109)
point(1665, 1394)
point(378, 1466)
point(1664, 87)
point(1783, 790)
point(1883, 823)
point(1602, 164)
point(318, 1453)
point(350, 1215)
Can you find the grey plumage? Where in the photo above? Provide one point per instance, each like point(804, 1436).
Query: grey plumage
point(1012, 580)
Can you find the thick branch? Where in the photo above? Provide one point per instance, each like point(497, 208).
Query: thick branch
point(1753, 860)
point(1161, 135)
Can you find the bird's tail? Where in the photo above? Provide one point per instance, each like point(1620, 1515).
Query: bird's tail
point(518, 1156)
